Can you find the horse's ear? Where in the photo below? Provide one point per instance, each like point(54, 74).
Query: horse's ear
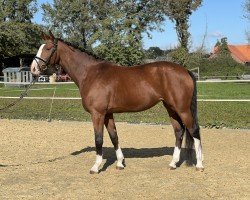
point(51, 35)
point(43, 35)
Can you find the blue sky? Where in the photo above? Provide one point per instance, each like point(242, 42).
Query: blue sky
point(224, 18)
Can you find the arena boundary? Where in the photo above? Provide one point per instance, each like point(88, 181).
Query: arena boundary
point(79, 98)
point(70, 82)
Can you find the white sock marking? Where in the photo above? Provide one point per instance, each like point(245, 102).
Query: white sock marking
point(198, 151)
point(120, 157)
point(98, 162)
point(176, 157)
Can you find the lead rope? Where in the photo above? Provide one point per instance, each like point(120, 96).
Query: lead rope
point(22, 95)
point(51, 105)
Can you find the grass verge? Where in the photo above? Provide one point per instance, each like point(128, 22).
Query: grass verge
point(211, 114)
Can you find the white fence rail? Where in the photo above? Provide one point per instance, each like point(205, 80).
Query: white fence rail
point(38, 83)
point(203, 81)
point(79, 98)
point(224, 81)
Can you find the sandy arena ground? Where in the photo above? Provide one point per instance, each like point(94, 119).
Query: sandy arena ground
point(41, 160)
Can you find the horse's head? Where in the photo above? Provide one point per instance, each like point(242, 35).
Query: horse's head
point(45, 56)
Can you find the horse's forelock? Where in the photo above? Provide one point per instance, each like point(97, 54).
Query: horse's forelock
point(39, 52)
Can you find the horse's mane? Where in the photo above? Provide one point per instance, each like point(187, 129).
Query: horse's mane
point(80, 49)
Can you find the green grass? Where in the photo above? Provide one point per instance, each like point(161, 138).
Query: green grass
point(205, 91)
point(45, 90)
point(223, 90)
point(211, 114)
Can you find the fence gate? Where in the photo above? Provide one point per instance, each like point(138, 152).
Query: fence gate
point(17, 77)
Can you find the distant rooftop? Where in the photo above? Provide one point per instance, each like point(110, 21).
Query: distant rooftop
point(240, 53)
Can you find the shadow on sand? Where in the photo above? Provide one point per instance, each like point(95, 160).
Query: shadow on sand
point(109, 155)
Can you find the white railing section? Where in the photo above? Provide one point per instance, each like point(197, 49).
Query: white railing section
point(203, 81)
point(79, 98)
point(37, 83)
point(224, 81)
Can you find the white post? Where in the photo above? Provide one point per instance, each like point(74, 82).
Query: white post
point(5, 74)
point(198, 73)
point(18, 76)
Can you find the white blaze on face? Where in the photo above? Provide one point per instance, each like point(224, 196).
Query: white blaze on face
point(34, 68)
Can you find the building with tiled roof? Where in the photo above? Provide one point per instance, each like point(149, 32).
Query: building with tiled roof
point(240, 53)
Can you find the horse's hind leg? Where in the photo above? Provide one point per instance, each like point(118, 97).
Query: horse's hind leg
point(111, 128)
point(179, 130)
point(193, 136)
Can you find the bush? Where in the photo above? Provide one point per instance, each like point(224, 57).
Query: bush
point(221, 65)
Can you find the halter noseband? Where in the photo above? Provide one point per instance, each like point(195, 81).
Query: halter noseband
point(46, 62)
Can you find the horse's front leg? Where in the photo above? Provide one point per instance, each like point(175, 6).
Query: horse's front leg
point(98, 123)
point(111, 128)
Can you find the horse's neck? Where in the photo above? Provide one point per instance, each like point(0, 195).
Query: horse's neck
point(76, 63)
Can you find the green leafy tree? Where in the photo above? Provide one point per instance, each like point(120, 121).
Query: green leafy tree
point(247, 9)
point(76, 20)
point(18, 35)
point(17, 10)
point(105, 25)
point(247, 16)
point(18, 38)
point(179, 55)
point(223, 48)
point(154, 52)
point(130, 19)
point(179, 13)
point(218, 43)
point(121, 52)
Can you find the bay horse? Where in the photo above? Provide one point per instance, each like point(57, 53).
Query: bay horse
point(106, 88)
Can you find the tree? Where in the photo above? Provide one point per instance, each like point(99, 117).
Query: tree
point(17, 10)
point(247, 16)
point(120, 51)
point(179, 55)
point(19, 38)
point(222, 46)
point(75, 20)
point(154, 52)
point(247, 9)
point(18, 35)
point(179, 13)
point(107, 26)
point(123, 37)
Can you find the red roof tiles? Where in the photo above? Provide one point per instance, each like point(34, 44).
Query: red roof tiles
point(241, 52)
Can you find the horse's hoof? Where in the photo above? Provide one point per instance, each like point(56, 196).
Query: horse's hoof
point(119, 168)
point(200, 169)
point(93, 172)
point(172, 168)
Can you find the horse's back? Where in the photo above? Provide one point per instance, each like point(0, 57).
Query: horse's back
point(140, 87)
point(161, 76)
point(145, 71)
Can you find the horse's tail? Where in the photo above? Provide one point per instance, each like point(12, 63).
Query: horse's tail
point(196, 128)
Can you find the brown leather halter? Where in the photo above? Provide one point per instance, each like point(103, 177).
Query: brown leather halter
point(46, 62)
